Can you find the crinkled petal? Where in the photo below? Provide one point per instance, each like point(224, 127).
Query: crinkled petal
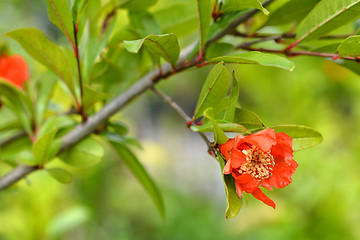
point(264, 139)
point(14, 69)
point(237, 158)
point(226, 148)
point(247, 182)
point(262, 197)
point(238, 189)
point(227, 168)
point(281, 174)
point(283, 148)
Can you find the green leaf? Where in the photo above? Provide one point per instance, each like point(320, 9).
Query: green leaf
point(350, 47)
point(131, 161)
point(326, 16)
point(233, 201)
point(234, 96)
point(204, 12)
point(60, 175)
point(165, 46)
point(59, 14)
point(259, 58)
point(351, 65)
point(248, 119)
point(224, 125)
point(143, 23)
point(218, 49)
point(26, 157)
point(119, 127)
point(41, 147)
point(91, 97)
point(18, 102)
point(303, 137)
point(294, 10)
point(46, 52)
point(214, 89)
point(86, 153)
point(219, 135)
point(237, 5)
point(138, 5)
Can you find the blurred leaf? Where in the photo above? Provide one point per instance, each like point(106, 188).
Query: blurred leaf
point(119, 127)
point(234, 96)
point(138, 5)
point(326, 16)
point(68, 219)
point(18, 102)
point(168, 18)
point(303, 137)
point(60, 175)
point(46, 52)
point(351, 65)
point(259, 58)
point(86, 153)
point(143, 23)
point(204, 12)
point(165, 46)
point(26, 157)
point(10, 151)
point(350, 47)
point(233, 202)
point(59, 14)
point(330, 48)
point(214, 89)
point(224, 125)
point(58, 122)
point(247, 119)
point(131, 161)
point(236, 5)
point(44, 92)
point(42, 146)
point(219, 135)
point(91, 97)
point(218, 49)
point(115, 137)
point(291, 11)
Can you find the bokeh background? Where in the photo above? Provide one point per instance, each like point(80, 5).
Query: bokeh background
point(107, 202)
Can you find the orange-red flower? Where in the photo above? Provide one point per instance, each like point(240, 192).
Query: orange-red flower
point(263, 159)
point(14, 69)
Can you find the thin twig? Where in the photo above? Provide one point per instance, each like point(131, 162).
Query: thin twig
point(284, 35)
point(180, 111)
point(291, 53)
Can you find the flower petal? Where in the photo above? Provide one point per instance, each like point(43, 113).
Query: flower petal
point(264, 139)
point(14, 69)
point(283, 148)
point(237, 158)
point(226, 148)
point(262, 197)
point(281, 174)
point(247, 182)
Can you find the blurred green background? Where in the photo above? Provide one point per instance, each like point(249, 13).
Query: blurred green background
point(106, 201)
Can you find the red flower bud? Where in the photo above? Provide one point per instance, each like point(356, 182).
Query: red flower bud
point(14, 69)
point(263, 159)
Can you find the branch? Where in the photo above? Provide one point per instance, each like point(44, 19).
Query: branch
point(149, 80)
point(284, 35)
point(290, 53)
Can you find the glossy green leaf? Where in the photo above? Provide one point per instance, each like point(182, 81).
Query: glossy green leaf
point(234, 96)
point(91, 97)
point(18, 102)
point(41, 147)
point(326, 16)
point(258, 58)
point(214, 89)
point(233, 202)
point(60, 15)
point(131, 161)
point(303, 137)
point(86, 153)
point(218, 49)
point(204, 12)
point(143, 23)
point(294, 10)
point(46, 52)
point(350, 47)
point(237, 5)
point(60, 175)
point(219, 135)
point(224, 125)
point(165, 46)
point(248, 119)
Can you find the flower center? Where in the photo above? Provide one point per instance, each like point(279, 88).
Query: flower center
point(259, 164)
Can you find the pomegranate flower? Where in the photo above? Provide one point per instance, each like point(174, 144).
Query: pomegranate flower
point(14, 69)
point(263, 159)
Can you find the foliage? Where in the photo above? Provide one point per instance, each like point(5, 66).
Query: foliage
point(101, 55)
